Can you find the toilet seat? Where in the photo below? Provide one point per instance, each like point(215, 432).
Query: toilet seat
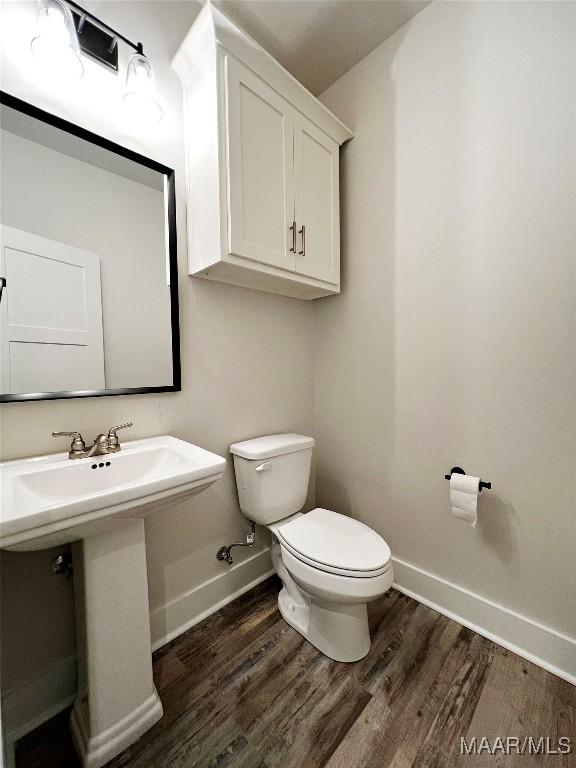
point(335, 544)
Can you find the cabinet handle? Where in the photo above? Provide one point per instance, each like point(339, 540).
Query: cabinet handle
point(292, 229)
point(303, 233)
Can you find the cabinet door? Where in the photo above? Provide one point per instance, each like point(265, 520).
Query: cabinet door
point(260, 169)
point(316, 180)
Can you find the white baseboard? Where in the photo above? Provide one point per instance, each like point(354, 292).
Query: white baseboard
point(535, 642)
point(33, 702)
point(172, 619)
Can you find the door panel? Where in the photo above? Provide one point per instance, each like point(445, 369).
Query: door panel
point(48, 367)
point(316, 182)
point(50, 316)
point(62, 306)
point(260, 169)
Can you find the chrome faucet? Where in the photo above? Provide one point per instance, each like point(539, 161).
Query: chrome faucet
point(102, 444)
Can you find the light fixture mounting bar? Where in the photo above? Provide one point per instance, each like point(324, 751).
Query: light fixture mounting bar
point(98, 39)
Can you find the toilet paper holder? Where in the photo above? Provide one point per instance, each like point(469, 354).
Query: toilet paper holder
point(460, 471)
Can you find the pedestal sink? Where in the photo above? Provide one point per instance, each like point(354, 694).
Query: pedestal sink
point(99, 505)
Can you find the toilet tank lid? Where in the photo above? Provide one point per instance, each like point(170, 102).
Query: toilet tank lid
point(271, 445)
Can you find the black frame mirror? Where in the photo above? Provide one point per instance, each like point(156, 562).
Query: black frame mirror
point(7, 100)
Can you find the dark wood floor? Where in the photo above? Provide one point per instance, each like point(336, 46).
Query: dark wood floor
point(243, 689)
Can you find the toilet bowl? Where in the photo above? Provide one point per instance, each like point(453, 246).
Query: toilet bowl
point(331, 566)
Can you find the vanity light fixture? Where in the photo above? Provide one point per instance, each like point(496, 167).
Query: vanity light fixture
point(64, 30)
point(140, 94)
point(55, 42)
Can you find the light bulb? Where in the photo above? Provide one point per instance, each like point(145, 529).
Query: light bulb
point(140, 95)
point(55, 43)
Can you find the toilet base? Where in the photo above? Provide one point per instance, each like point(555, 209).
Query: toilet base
point(337, 628)
point(338, 631)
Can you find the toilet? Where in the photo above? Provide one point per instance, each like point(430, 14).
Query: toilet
point(331, 566)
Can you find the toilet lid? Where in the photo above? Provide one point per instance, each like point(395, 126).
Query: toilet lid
point(337, 542)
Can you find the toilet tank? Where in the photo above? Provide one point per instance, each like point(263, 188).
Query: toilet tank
point(272, 475)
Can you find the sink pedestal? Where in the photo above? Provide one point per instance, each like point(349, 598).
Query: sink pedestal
point(117, 701)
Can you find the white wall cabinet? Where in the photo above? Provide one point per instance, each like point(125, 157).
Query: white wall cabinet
point(262, 161)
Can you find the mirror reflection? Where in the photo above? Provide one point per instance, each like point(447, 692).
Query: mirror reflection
point(86, 300)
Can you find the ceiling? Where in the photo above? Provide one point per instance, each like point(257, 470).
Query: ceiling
point(319, 40)
point(316, 40)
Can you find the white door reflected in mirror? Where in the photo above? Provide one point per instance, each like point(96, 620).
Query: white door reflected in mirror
point(51, 321)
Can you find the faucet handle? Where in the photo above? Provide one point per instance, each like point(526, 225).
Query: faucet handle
point(77, 448)
point(113, 430)
point(113, 441)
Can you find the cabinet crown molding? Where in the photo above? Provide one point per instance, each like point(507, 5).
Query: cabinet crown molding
point(213, 29)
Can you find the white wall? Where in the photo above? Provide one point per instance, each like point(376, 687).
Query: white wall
point(62, 198)
point(454, 339)
point(246, 369)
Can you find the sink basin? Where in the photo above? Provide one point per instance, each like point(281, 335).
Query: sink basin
point(50, 500)
point(99, 505)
